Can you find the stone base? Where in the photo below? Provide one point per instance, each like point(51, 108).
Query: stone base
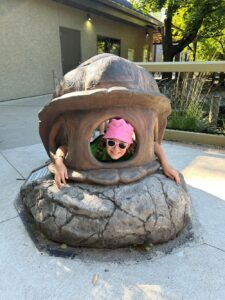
point(153, 210)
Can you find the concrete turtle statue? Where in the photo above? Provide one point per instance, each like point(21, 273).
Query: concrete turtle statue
point(100, 210)
point(104, 87)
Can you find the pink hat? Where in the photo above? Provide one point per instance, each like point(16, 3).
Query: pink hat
point(120, 130)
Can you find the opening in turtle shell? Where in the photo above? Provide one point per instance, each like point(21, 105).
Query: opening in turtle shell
point(113, 140)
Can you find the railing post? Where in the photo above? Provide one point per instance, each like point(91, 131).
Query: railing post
point(214, 110)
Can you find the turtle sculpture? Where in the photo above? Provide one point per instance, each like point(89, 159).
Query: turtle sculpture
point(104, 87)
point(100, 209)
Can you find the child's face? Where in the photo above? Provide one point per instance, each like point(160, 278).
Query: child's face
point(116, 148)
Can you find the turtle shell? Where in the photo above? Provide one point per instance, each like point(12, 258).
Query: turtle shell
point(106, 71)
point(104, 81)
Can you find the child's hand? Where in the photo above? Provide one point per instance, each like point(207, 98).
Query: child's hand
point(168, 170)
point(171, 173)
point(60, 174)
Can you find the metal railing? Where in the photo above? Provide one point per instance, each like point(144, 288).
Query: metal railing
point(207, 67)
point(200, 66)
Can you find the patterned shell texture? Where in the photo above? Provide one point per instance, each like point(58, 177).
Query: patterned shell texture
point(106, 71)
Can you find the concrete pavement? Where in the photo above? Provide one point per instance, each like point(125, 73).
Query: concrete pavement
point(19, 121)
point(195, 270)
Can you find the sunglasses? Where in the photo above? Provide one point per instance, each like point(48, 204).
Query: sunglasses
point(121, 145)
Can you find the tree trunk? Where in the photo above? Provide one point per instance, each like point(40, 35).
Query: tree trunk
point(194, 50)
point(170, 49)
point(167, 44)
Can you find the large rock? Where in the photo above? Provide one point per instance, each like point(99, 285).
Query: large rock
point(153, 210)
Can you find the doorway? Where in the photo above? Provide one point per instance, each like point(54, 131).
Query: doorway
point(70, 48)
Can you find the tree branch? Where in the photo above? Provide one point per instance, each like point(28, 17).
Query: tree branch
point(210, 36)
point(222, 45)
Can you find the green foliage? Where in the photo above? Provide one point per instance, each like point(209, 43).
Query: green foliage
point(212, 48)
point(186, 21)
point(187, 96)
point(146, 247)
point(183, 121)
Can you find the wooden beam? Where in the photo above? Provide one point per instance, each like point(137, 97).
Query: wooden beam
point(200, 66)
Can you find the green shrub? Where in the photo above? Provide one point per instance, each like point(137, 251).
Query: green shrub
point(186, 122)
point(188, 98)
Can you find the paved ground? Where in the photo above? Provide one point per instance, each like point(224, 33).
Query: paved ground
point(194, 271)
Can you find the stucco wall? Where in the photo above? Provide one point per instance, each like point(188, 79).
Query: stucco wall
point(29, 48)
point(30, 43)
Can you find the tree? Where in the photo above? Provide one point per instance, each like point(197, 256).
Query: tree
point(185, 21)
point(211, 48)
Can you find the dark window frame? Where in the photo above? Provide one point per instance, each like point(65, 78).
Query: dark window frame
point(108, 44)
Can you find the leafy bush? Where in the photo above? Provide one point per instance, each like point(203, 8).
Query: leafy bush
point(185, 122)
point(188, 98)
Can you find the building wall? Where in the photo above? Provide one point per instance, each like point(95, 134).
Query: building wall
point(30, 43)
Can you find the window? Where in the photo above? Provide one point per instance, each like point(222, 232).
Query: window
point(108, 45)
point(130, 54)
point(146, 54)
point(115, 151)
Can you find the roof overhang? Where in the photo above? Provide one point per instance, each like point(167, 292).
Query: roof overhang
point(114, 11)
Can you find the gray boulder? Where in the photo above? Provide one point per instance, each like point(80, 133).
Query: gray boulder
point(152, 210)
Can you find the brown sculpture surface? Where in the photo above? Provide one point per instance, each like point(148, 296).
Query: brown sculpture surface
point(104, 87)
point(84, 213)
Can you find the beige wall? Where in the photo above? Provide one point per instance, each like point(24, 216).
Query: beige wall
point(30, 43)
point(29, 48)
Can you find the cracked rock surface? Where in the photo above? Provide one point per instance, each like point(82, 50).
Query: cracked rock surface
point(152, 210)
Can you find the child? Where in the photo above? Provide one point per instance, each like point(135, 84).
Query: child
point(115, 145)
